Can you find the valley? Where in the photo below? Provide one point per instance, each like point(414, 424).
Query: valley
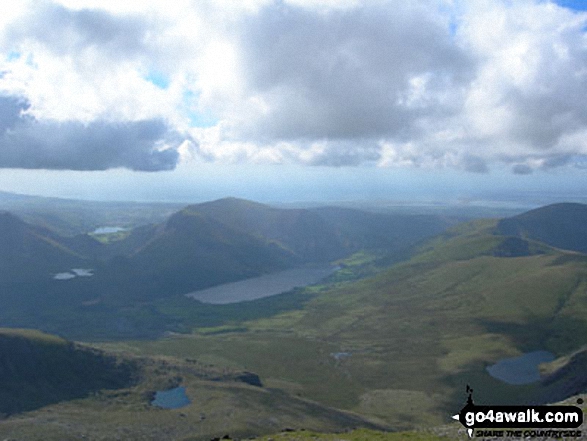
point(416, 307)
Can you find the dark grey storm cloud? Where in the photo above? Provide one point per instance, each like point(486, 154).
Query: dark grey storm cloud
point(66, 31)
point(26, 142)
point(346, 73)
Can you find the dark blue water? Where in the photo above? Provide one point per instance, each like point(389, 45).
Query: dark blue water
point(520, 370)
point(171, 399)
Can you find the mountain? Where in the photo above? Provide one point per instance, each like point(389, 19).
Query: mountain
point(396, 348)
point(31, 253)
point(194, 251)
point(38, 369)
point(402, 345)
point(559, 225)
point(232, 239)
point(300, 231)
point(63, 390)
point(392, 231)
point(70, 217)
point(323, 234)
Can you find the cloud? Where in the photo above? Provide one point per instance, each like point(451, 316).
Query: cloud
point(463, 88)
point(26, 142)
point(475, 164)
point(348, 73)
point(530, 88)
point(66, 31)
point(522, 169)
point(448, 84)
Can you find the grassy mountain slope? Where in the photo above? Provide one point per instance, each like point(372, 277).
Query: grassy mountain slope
point(89, 393)
point(559, 225)
point(323, 234)
point(28, 252)
point(402, 345)
point(222, 402)
point(363, 229)
point(38, 369)
point(194, 251)
point(300, 231)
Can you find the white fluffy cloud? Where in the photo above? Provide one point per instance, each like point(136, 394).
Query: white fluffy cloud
point(426, 83)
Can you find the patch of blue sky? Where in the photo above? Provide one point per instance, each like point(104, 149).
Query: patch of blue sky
point(198, 118)
point(13, 55)
point(158, 79)
point(452, 28)
point(577, 5)
point(451, 14)
point(203, 120)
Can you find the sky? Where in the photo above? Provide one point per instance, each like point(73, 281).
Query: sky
point(294, 100)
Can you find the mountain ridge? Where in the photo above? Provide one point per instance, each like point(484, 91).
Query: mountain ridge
point(562, 225)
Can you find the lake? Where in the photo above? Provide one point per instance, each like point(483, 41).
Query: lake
point(520, 370)
point(76, 272)
point(108, 230)
point(262, 286)
point(175, 398)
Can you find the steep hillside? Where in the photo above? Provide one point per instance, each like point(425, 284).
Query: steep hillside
point(323, 234)
point(559, 225)
point(300, 231)
point(402, 345)
point(28, 252)
point(52, 389)
point(193, 251)
point(37, 369)
point(362, 229)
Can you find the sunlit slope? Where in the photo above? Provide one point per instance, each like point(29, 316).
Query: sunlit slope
point(402, 345)
point(52, 389)
point(459, 282)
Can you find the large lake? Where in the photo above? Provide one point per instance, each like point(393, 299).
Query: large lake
point(262, 286)
point(522, 369)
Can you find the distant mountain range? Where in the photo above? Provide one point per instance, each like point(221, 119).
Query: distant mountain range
point(396, 346)
point(208, 244)
point(69, 217)
point(230, 239)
